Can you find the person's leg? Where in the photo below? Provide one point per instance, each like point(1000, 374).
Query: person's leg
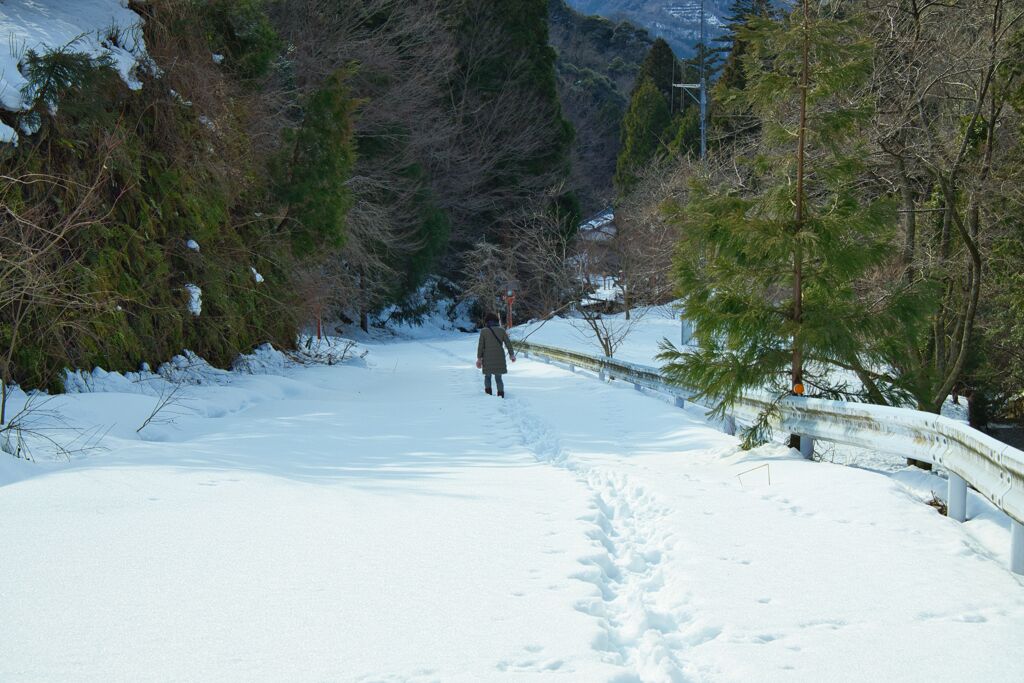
point(501, 385)
point(487, 382)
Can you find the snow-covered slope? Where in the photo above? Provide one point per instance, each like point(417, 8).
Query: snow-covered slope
point(386, 521)
point(94, 27)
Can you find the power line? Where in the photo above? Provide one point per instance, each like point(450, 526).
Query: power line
point(701, 87)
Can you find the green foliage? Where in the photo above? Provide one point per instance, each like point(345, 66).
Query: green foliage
point(242, 32)
point(660, 68)
point(53, 75)
point(1001, 366)
point(740, 243)
point(413, 266)
point(643, 134)
point(315, 165)
point(686, 141)
point(522, 40)
point(433, 234)
point(598, 62)
point(741, 12)
point(520, 61)
point(160, 180)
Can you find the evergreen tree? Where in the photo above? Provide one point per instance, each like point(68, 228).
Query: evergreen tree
point(769, 267)
point(505, 58)
point(644, 128)
point(241, 31)
point(660, 67)
point(311, 181)
point(685, 140)
point(733, 44)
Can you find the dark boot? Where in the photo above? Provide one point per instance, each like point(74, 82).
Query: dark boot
point(487, 390)
point(501, 394)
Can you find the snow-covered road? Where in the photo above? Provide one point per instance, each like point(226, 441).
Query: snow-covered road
point(393, 523)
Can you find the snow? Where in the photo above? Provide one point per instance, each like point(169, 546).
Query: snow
point(217, 58)
point(193, 245)
point(84, 24)
point(195, 299)
point(381, 519)
point(178, 98)
point(8, 134)
point(255, 275)
point(645, 331)
point(600, 228)
point(606, 288)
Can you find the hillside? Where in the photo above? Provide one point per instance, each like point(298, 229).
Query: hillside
point(214, 175)
point(677, 21)
point(598, 60)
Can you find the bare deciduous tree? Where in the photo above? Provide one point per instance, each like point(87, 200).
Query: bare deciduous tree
point(45, 289)
point(942, 131)
point(644, 241)
point(488, 270)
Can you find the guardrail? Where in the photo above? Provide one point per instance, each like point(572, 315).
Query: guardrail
point(994, 469)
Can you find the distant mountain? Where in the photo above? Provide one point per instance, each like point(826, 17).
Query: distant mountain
point(677, 21)
point(598, 60)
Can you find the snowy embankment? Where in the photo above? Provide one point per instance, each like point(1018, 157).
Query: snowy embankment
point(383, 520)
point(98, 28)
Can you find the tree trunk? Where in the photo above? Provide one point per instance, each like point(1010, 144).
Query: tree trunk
point(907, 199)
point(798, 274)
point(798, 361)
point(3, 399)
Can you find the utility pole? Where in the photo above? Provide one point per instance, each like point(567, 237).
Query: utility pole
point(703, 88)
point(700, 86)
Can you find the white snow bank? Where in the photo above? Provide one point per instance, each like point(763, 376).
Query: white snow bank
point(195, 299)
point(600, 228)
point(94, 27)
point(255, 275)
point(193, 245)
point(8, 134)
point(191, 369)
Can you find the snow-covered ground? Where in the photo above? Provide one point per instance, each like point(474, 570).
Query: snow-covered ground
point(384, 520)
point(641, 334)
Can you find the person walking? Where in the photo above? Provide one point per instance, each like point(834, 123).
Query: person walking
point(489, 354)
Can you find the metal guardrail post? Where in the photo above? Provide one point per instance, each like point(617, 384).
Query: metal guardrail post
point(956, 498)
point(572, 368)
point(807, 447)
point(636, 385)
point(680, 402)
point(1016, 547)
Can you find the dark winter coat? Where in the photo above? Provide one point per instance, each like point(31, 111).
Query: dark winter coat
point(489, 350)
